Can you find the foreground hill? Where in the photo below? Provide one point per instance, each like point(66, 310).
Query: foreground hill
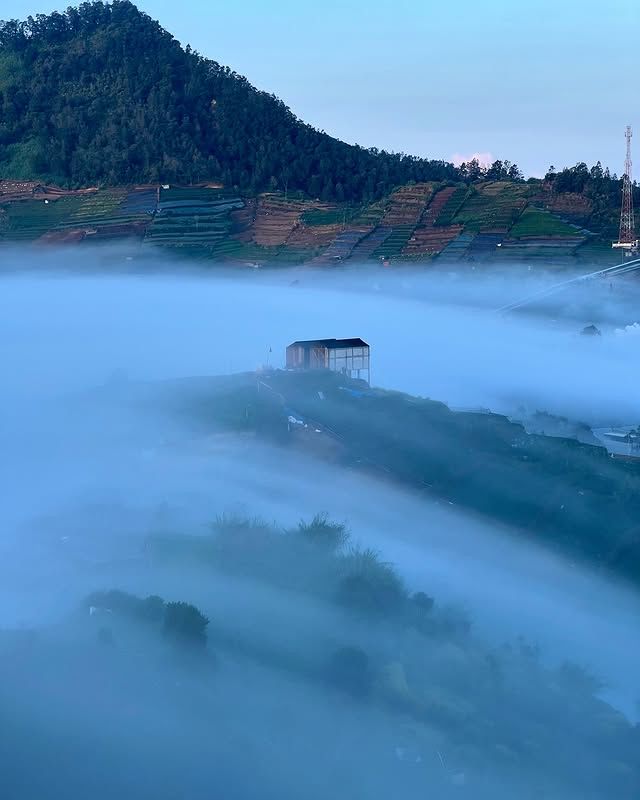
point(103, 95)
point(562, 493)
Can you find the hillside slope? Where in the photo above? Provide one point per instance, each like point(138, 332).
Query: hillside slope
point(103, 95)
point(556, 491)
point(488, 221)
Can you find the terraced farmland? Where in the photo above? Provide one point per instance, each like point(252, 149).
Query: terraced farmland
point(12, 191)
point(455, 197)
point(538, 222)
point(29, 220)
point(341, 248)
point(275, 220)
point(394, 244)
point(406, 208)
point(140, 201)
point(365, 248)
point(416, 223)
point(492, 207)
point(353, 242)
point(331, 215)
point(457, 248)
point(193, 220)
point(407, 205)
point(484, 245)
point(102, 215)
point(426, 239)
point(243, 220)
point(476, 210)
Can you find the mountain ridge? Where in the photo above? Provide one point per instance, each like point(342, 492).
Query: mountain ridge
point(102, 94)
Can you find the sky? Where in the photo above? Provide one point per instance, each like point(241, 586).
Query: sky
point(536, 83)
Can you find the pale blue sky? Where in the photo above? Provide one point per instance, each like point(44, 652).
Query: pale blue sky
point(538, 83)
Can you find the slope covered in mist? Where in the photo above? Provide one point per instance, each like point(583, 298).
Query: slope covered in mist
point(401, 644)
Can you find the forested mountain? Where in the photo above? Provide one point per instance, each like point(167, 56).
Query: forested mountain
point(103, 95)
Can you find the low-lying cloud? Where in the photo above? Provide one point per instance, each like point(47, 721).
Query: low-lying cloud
point(88, 480)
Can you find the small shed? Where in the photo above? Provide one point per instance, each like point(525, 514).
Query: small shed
point(350, 357)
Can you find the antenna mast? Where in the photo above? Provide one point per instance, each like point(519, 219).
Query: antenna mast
point(627, 236)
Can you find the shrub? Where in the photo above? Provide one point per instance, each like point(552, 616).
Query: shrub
point(330, 536)
point(184, 622)
point(422, 602)
point(370, 586)
point(152, 608)
point(149, 609)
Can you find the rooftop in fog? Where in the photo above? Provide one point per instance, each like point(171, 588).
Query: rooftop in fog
point(330, 344)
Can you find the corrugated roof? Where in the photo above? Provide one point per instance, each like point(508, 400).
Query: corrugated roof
point(330, 344)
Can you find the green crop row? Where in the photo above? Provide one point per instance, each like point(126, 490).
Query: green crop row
point(535, 222)
point(451, 207)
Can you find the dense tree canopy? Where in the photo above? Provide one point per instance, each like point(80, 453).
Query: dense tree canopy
point(102, 94)
point(598, 185)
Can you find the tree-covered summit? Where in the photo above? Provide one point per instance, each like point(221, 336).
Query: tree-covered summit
point(101, 94)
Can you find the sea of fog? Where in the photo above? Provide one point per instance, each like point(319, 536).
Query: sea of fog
point(432, 334)
point(85, 486)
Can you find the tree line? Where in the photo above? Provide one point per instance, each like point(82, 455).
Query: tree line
point(596, 183)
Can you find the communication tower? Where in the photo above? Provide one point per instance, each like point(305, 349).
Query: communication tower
point(627, 240)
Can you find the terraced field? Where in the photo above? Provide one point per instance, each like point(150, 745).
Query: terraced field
point(354, 242)
point(405, 211)
point(448, 210)
point(415, 224)
point(275, 220)
point(538, 222)
point(103, 215)
point(492, 207)
point(456, 249)
point(29, 220)
point(341, 248)
point(193, 220)
point(426, 239)
point(331, 215)
point(314, 237)
point(12, 191)
point(370, 243)
point(394, 244)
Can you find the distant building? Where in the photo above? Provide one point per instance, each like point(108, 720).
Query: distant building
point(348, 356)
point(623, 443)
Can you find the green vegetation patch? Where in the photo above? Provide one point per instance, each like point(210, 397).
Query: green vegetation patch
point(27, 220)
point(330, 216)
point(451, 207)
point(496, 206)
point(536, 222)
point(394, 244)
